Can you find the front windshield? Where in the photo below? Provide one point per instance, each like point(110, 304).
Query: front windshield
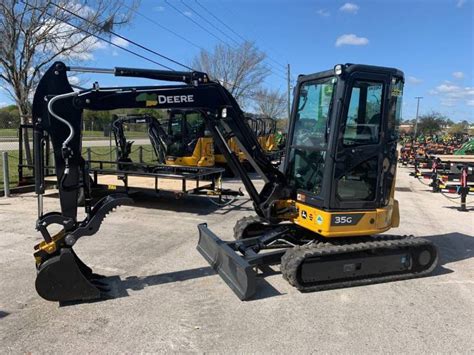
point(308, 149)
point(313, 112)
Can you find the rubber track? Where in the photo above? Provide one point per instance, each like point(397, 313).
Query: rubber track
point(293, 258)
point(243, 223)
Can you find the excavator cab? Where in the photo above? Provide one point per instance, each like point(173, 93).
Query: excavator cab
point(191, 144)
point(341, 152)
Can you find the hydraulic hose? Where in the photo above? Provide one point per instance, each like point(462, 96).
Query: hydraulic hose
point(51, 111)
point(69, 137)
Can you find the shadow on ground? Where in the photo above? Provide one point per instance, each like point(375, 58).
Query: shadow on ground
point(200, 205)
point(468, 208)
point(452, 247)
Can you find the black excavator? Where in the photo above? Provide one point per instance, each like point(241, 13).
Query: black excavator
point(320, 218)
point(158, 136)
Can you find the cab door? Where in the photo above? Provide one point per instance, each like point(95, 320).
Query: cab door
point(360, 148)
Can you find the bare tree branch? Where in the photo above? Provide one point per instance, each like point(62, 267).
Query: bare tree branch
point(240, 70)
point(270, 103)
point(33, 33)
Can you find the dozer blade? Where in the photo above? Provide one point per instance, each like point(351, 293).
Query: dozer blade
point(66, 278)
point(236, 271)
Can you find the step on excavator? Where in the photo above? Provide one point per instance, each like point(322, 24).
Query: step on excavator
point(320, 218)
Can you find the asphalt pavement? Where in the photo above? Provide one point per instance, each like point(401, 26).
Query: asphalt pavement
point(167, 299)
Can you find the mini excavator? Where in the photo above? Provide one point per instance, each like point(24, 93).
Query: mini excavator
point(180, 140)
point(156, 133)
point(320, 218)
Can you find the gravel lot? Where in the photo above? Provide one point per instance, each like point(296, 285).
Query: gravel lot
point(168, 299)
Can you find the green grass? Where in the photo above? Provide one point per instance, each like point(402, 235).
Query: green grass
point(8, 132)
point(100, 134)
point(97, 153)
point(104, 153)
point(13, 132)
point(12, 169)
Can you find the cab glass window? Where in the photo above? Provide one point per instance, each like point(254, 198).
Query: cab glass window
point(363, 119)
point(307, 156)
point(312, 113)
point(395, 109)
point(360, 183)
point(195, 124)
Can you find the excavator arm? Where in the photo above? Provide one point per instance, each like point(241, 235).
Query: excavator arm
point(57, 112)
point(158, 136)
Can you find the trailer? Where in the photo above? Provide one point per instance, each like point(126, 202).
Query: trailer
point(132, 177)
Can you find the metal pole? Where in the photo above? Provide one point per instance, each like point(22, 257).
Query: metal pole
point(140, 154)
point(289, 93)
point(110, 141)
point(418, 98)
point(6, 176)
point(20, 154)
point(89, 155)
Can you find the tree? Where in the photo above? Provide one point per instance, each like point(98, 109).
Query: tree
point(36, 32)
point(270, 103)
point(459, 128)
point(449, 122)
point(9, 117)
point(240, 70)
point(431, 123)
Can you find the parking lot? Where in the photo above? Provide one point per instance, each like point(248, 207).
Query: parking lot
point(165, 297)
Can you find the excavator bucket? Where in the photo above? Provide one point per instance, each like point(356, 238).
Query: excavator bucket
point(62, 276)
point(235, 270)
point(66, 278)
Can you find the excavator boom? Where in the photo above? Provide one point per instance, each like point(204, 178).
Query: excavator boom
point(57, 112)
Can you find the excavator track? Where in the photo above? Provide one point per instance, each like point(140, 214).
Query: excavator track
point(330, 265)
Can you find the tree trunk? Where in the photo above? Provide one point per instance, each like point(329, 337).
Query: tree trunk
point(25, 114)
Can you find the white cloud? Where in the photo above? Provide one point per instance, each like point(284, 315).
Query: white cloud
point(188, 13)
point(351, 40)
point(349, 8)
point(159, 8)
point(323, 13)
point(460, 3)
point(413, 80)
point(73, 80)
point(120, 42)
point(61, 35)
point(458, 74)
point(451, 94)
point(3, 104)
point(449, 102)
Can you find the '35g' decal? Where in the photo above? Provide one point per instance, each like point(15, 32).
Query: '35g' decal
point(346, 219)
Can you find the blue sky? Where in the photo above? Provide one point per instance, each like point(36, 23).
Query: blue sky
point(430, 40)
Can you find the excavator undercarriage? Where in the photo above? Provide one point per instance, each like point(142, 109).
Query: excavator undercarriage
point(320, 217)
point(316, 264)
